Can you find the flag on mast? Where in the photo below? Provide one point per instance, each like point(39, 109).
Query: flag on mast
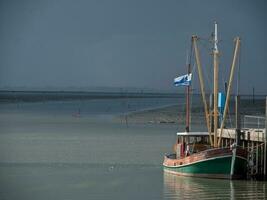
point(184, 80)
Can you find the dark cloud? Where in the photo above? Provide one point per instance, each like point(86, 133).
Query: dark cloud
point(124, 43)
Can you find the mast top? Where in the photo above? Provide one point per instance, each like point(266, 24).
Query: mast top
point(216, 37)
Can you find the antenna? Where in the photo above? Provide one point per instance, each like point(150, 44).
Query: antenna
point(215, 36)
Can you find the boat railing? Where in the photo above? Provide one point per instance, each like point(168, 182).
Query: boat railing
point(253, 122)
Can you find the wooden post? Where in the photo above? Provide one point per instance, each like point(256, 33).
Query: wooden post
point(233, 162)
point(253, 95)
point(211, 116)
point(265, 139)
point(262, 159)
point(248, 146)
point(237, 120)
point(257, 158)
point(252, 156)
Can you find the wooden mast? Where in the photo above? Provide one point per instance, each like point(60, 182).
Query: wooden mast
point(216, 69)
point(237, 44)
point(214, 142)
point(194, 39)
point(187, 128)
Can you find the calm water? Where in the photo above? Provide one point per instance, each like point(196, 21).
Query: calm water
point(49, 152)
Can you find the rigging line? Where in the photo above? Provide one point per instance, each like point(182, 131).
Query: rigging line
point(207, 77)
point(206, 46)
point(229, 135)
point(238, 71)
point(192, 90)
point(190, 60)
point(194, 67)
point(229, 115)
point(237, 91)
point(228, 42)
point(191, 52)
point(207, 74)
point(237, 88)
point(205, 39)
point(192, 86)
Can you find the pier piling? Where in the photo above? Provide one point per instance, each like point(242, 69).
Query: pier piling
point(252, 137)
point(264, 135)
point(237, 119)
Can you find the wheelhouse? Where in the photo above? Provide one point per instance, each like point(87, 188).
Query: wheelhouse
point(191, 142)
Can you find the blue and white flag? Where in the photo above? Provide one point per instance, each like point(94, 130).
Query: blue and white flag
point(184, 80)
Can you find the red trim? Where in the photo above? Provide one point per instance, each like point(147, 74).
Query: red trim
point(210, 153)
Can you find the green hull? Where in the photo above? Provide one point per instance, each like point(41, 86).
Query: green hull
point(218, 167)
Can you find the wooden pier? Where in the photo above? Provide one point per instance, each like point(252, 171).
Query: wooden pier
point(251, 138)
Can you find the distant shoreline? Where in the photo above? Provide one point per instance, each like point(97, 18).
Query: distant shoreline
point(175, 113)
point(7, 96)
point(37, 96)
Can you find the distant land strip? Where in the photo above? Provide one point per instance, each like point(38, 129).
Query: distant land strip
point(8, 96)
point(37, 96)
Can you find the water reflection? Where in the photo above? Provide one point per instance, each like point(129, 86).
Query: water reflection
point(178, 187)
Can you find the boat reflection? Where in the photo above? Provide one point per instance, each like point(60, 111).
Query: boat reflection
point(179, 187)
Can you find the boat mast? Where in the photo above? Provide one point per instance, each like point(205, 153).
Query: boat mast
point(237, 46)
point(187, 128)
point(200, 76)
point(216, 69)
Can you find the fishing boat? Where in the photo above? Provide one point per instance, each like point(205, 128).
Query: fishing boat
point(201, 154)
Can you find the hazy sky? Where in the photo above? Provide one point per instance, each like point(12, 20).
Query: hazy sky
point(120, 43)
